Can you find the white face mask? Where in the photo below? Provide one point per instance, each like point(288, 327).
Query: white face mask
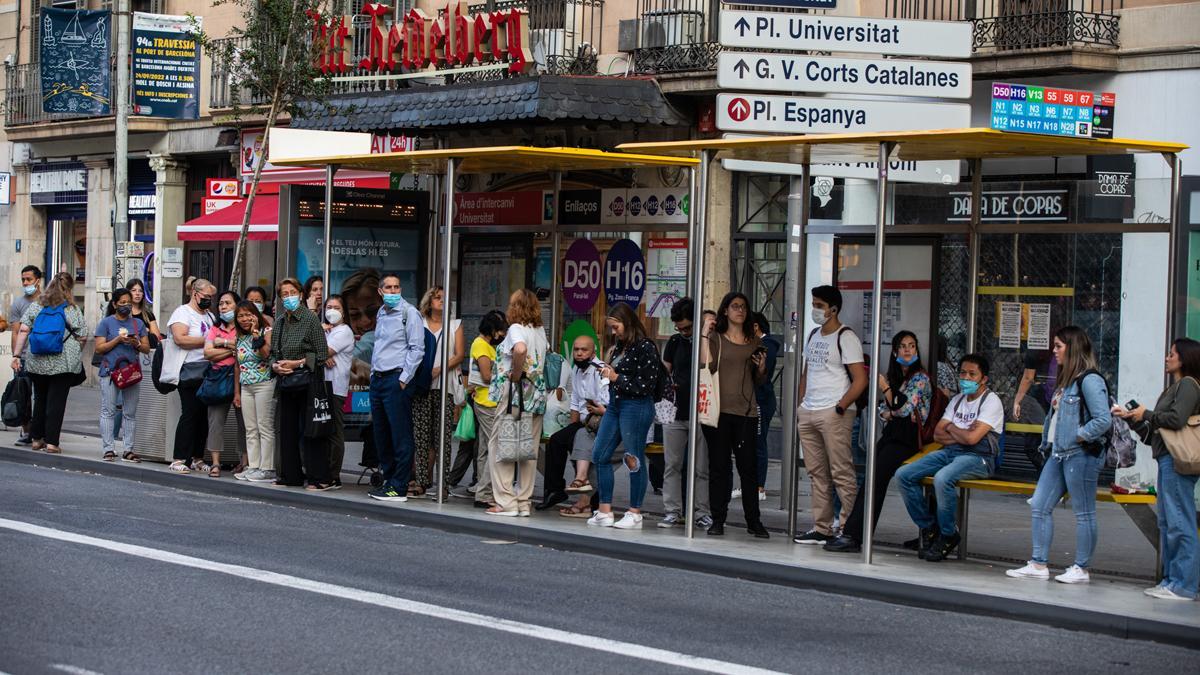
point(818, 317)
point(333, 316)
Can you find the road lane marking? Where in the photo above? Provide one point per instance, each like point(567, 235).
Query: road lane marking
point(548, 634)
point(73, 670)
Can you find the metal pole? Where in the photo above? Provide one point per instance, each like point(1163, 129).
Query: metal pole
point(973, 246)
point(121, 144)
point(697, 241)
point(1173, 248)
point(881, 196)
point(556, 277)
point(792, 455)
point(327, 253)
point(447, 223)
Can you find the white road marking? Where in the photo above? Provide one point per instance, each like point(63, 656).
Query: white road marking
point(594, 642)
point(74, 670)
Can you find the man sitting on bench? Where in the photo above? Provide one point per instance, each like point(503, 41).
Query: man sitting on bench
point(970, 436)
point(589, 399)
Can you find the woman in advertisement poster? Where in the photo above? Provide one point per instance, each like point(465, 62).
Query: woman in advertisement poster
point(426, 406)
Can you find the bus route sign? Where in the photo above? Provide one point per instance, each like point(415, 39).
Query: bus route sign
point(1055, 112)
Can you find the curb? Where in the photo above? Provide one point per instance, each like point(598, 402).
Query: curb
point(897, 592)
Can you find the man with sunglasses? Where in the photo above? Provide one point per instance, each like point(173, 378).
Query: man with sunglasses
point(188, 326)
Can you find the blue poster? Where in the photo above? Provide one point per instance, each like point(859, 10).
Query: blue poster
point(624, 274)
point(75, 71)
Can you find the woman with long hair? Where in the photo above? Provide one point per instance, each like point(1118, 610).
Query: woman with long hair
point(1078, 418)
point(121, 339)
point(141, 311)
point(731, 351)
point(254, 393)
point(257, 296)
point(314, 293)
point(298, 348)
point(220, 348)
point(632, 370)
point(426, 436)
point(907, 392)
point(52, 371)
point(340, 339)
point(1176, 491)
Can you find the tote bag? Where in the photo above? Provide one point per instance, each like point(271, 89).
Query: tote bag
point(1184, 446)
point(708, 393)
point(514, 432)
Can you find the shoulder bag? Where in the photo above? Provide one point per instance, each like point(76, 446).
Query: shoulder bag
point(217, 386)
point(125, 374)
point(1184, 445)
point(514, 432)
point(708, 392)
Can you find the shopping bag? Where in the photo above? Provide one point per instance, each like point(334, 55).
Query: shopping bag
point(558, 415)
point(708, 393)
point(514, 431)
point(465, 431)
point(318, 412)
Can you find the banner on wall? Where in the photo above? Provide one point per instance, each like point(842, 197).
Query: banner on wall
point(581, 276)
point(74, 61)
point(624, 274)
point(166, 66)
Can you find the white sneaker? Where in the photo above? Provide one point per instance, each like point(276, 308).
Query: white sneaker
point(1074, 575)
point(630, 521)
point(762, 495)
point(1164, 593)
point(244, 475)
point(671, 520)
point(736, 494)
point(1029, 572)
point(601, 519)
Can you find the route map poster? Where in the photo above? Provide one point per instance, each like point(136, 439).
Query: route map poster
point(166, 66)
point(74, 56)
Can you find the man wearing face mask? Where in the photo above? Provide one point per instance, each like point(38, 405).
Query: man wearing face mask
point(833, 378)
point(589, 398)
point(31, 290)
point(187, 327)
point(399, 349)
point(970, 436)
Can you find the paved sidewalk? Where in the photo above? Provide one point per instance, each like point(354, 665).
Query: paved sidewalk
point(1110, 604)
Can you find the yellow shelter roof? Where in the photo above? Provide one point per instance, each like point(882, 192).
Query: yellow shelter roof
point(496, 159)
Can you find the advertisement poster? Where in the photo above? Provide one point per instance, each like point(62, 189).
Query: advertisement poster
point(166, 66)
point(666, 275)
point(624, 274)
point(1038, 326)
point(74, 61)
point(907, 292)
point(1010, 325)
point(581, 276)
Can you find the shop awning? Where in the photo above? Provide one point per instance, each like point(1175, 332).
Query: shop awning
point(502, 159)
point(225, 224)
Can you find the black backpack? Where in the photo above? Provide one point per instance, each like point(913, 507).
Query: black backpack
point(156, 366)
point(861, 402)
point(16, 406)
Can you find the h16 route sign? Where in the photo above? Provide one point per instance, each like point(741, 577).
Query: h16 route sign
point(819, 74)
point(811, 32)
point(802, 115)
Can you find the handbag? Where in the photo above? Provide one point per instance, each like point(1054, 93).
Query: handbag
point(127, 375)
point(664, 408)
point(192, 374)
point(514, 433)
point(1184, 446)
point(80, 376)
point(465, 431)
point(318, 412)
point(217, 387)
point(708, 393)
point(297, 380)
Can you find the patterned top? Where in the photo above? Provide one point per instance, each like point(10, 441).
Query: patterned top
point(637, 367)
point(533, 386)
point(66, 361)
point(914, 396)
point(299, 335)
point(252, 368)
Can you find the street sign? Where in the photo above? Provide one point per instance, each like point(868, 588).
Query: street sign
point(825, 74)
point(624, 274)
point(803, 115)
point(1049, 111)
point(172, 270)
point(807, 4)
point(812, 32)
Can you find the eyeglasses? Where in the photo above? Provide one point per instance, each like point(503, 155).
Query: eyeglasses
point(738, 307)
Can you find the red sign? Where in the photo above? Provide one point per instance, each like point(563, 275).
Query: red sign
point(386, 143)
point(739, 109)
point(227, 188)
point(482, 209)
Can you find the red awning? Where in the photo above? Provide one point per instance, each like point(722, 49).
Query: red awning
point(225, 224)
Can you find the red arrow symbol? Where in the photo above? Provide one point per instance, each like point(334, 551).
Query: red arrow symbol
point(739, 109)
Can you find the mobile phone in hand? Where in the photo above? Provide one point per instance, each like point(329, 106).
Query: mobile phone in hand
point(1132, 405)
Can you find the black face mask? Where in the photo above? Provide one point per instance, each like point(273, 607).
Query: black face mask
point(583, 364)
point(204, 303)
point(124, 310)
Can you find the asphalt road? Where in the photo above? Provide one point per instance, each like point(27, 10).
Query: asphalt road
point(132, 578)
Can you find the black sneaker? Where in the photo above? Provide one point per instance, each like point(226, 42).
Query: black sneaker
point(24, 440)
point(843, 544)
point(716, 530)
point(942, 548)
point(925, 540)
point(388, 494)
point(813, 538)
point(758, 531)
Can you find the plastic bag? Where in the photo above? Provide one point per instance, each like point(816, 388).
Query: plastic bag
point(465, 431)
point(558, 414)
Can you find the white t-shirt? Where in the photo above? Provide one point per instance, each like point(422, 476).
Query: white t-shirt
point(197, 324)
point(535, 341)
point(827, 381)
point(341, 340)
point(988, 409)
point(441, 344)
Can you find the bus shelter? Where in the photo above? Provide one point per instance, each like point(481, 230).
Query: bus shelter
point(971, 144)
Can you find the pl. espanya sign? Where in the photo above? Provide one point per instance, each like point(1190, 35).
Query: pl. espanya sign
point(417, 41)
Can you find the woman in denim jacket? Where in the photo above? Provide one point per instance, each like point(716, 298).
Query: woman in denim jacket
point(1079, 418)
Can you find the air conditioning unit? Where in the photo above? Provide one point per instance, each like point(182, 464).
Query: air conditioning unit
point(663, 28)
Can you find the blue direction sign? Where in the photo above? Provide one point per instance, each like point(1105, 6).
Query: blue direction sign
point(809, 4)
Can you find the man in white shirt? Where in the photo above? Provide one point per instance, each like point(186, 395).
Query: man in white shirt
point(970, 436)
point(834, 377)
point(589, 399)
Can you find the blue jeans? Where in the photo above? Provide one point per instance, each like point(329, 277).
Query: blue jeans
point(1178, 539)
point(1077, 474)
point(391, 419)
point(766, 412)
point(626, 420)
point(947, 466)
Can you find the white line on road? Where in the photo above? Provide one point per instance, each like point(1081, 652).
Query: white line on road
point(73, 670)
point(628, 649)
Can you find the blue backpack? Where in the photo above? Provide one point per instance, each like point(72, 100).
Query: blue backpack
point(49, 330)
point(423, 379)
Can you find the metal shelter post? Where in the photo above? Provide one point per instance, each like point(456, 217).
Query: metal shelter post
point(1173, 248)
point(696, 240)
point(973, 248)
point(327, 252)
point(446, 238)
point(881, 191)
point(791, 455)
point(555, 274)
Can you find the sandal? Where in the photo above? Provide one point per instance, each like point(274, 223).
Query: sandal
point(215, 471)
point(109, 456)
point(576, 511)
point(178, 466)
point(200, 466)
point(416, 492)
point(53, 450)
point(318, 487)
point(579, 485)
point(131, 456)
point(37, 445)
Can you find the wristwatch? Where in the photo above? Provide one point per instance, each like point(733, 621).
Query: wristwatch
point(839, 410)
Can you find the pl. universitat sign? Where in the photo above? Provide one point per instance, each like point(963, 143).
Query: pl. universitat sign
point(416, 41)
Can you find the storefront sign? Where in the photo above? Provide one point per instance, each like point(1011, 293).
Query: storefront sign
point(74, 60)
point(816, 74)
point(166, 66)
point(624, 274)
point(483, 209)
point(581, 276)
point(579, 207)
point(801, 115)
point(142, 205)
point(222, 188)
point(812, 32)
point(1012, 206)
point(381, 143)
point(1053, 112)
point(58, 180)
point(6, 192)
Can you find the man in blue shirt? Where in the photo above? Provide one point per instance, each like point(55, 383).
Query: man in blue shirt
point(399, 349)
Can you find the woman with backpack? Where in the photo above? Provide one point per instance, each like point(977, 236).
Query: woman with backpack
point(907, 393)
point(220, 348)
point(1176, 491)
point(1077, 421)
point(121, 339)
point(55, 330)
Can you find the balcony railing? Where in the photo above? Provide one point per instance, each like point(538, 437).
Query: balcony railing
point(23, 98)
point(1008, 25)
point(564, 35)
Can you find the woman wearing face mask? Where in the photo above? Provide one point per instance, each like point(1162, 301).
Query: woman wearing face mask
point(254, 394)
point(120, 339)
point(257, 295)
point(340, 339)
point(298, 347)
point(492, 329)
point(426, 406)
point(220, 348)
point(907, 393)
point(141, 311)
